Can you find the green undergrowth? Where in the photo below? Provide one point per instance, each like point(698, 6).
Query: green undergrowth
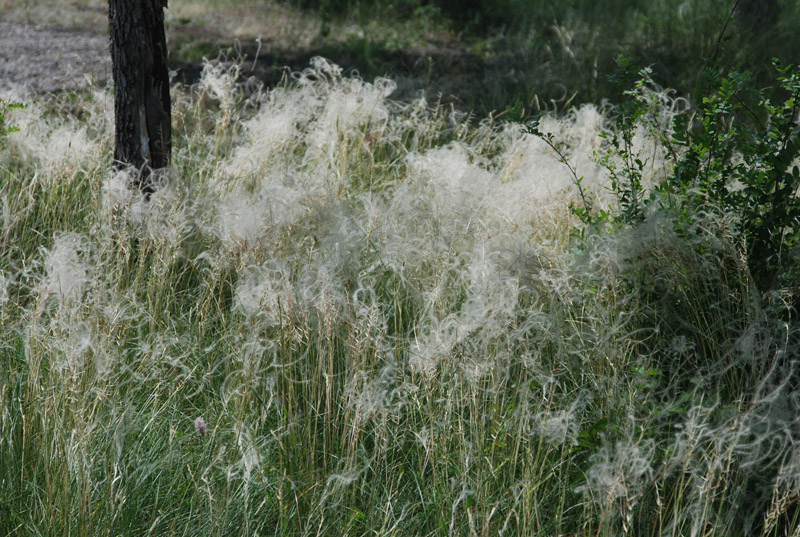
point(551, 56)
point(340, 314)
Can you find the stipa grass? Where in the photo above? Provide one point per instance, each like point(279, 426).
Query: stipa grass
point(343, 315)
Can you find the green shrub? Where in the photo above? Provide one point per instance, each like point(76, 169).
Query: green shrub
point(5, 128)
point(741, 155)
point(736, 152)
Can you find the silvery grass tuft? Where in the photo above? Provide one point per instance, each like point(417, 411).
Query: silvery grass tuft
point(385, 314)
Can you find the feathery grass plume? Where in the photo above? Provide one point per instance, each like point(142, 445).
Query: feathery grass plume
point(531, 163)
point(219, 82)
point(559, 427)
point(66, 270)
point(56, 144)
point(371, 399)
point(4, 285)
point(384, 310)
point(242, 221)
point(317, 116)
point(118, 196)
point(617, 478)
point(265, 292)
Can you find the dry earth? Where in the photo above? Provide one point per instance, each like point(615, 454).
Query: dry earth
point(42, 58)
point(52, 45)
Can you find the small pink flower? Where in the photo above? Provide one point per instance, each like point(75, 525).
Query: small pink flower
point(200, 425)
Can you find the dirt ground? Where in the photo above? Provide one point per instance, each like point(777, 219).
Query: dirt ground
point(51, 45)
point(54, 45)
point(43, 58)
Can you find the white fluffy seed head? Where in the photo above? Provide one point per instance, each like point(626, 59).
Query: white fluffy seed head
point(4, 285)
point(264, 293)
point(66, 271)
point(618, 471)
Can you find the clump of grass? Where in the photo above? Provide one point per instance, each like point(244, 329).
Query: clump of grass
point(341, 314)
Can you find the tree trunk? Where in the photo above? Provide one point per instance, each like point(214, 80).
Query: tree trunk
point(143, 138)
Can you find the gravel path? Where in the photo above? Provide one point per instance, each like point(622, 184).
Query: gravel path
point(41, 59)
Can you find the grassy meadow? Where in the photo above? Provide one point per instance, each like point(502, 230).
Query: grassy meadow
point(347, 310)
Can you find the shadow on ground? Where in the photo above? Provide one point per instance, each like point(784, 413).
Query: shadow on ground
point(446, 75)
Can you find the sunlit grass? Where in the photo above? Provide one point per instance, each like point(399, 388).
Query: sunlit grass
point(382, 315)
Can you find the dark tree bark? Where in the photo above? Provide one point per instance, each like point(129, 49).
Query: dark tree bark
point(142, 106)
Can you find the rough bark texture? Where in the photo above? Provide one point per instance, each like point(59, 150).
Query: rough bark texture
point(141, 87)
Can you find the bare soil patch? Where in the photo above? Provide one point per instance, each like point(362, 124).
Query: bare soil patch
point(38, 57)
point(45, 59)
